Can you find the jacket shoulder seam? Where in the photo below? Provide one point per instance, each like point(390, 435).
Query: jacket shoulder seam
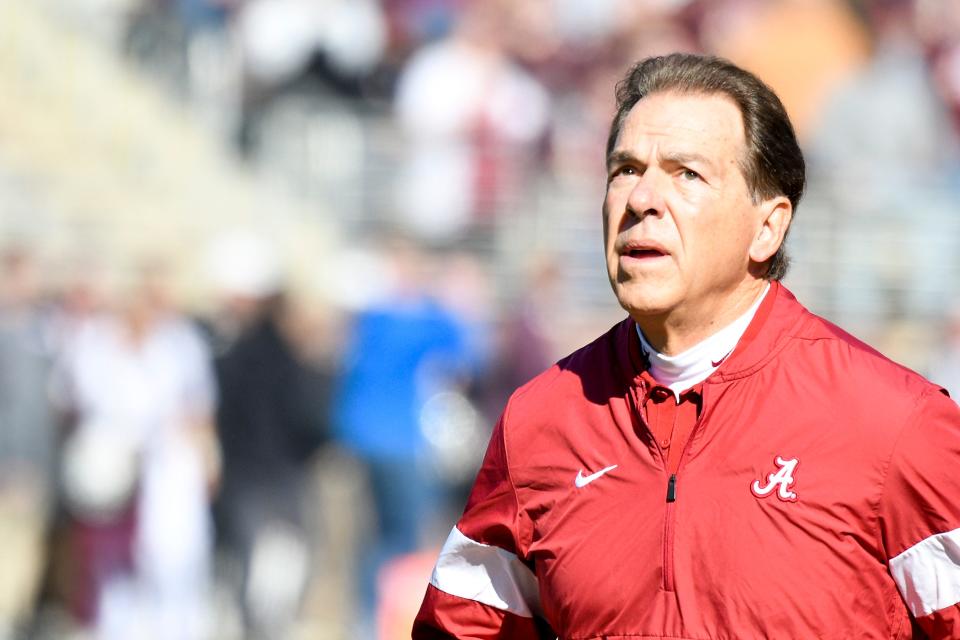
point(868, 353)
point(523, 542)
point(763, 362)
point(914, 418)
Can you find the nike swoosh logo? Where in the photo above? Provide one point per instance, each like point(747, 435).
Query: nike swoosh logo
point(720, 361)
point(583, 480)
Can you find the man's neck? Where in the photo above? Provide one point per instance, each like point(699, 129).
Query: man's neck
point(680, 330)
point(684, 370)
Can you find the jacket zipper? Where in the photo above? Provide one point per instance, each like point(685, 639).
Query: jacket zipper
point(668, 523)
point(670, 514)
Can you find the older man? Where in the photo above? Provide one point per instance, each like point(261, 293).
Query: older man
point(723, 463)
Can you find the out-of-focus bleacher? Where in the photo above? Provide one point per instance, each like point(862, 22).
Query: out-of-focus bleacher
point(97, 160)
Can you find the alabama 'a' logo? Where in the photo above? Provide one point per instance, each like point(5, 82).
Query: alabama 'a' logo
point(779, 482)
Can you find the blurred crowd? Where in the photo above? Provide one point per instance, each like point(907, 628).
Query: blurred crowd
point(487, 97)
point(174, 469)
point(465, 124)
point(151, 456)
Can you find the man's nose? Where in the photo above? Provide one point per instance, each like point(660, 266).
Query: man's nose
point(646, 198)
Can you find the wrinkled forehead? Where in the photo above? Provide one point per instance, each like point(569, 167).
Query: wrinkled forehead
point(702, 123)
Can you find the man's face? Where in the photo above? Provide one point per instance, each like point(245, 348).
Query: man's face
point(678, 218)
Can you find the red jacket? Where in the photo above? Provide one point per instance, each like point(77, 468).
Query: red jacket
point(818, 497)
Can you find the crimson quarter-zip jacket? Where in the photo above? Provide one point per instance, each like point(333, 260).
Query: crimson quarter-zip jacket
point(818, 496)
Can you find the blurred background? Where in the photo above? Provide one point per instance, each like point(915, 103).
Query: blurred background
point(269, 270)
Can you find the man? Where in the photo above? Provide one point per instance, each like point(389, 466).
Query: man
point(722, 464)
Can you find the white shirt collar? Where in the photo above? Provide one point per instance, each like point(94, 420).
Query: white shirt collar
point(682, 371)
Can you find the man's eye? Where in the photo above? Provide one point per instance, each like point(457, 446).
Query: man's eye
point(690, 174)
point(625, 171)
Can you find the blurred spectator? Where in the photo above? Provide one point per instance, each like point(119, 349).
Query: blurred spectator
point(244, 269)
point(180, 467)
point(415, 22)
point(887, 222)
point(27, 440)
point(452, 420)
point(523, 346)
point(80, 299)
point(404, 350)
point(279, 37)
point(138, 465)
point(939, 26)
point(272, 419)
point(472, 119)
point(204, 14)
point(775, 40)
point(336, 44)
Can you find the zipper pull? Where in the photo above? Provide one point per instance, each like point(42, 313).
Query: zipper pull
point(672, 488)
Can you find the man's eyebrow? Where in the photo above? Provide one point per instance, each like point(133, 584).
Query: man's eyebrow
point(673, 157)
point(685, 157)
point(621, 157)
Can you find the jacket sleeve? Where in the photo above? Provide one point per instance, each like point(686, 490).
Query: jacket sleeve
point(481, 586)
point(920, 516)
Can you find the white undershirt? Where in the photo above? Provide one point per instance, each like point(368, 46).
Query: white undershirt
point(682, 371)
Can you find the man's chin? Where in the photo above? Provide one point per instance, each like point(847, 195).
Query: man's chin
point(642, 300)
point(643, 307)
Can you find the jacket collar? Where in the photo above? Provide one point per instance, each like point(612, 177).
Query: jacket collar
point(774, 321)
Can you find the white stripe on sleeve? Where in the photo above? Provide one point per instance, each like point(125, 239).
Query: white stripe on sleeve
point(928, 573)
point(486, 574)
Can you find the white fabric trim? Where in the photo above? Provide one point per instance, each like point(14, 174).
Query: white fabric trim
point(486, 574)
point(682, 371)
point(928, 573)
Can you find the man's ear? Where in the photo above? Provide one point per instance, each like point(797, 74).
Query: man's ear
point(775, 216)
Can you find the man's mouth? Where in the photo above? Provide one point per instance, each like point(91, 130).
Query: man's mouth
point(643, 250)
point(645, 253)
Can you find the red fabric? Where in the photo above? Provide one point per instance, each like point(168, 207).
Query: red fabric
point(671, 423)
point(492, 505)
point(815, 461)
point(100, 552)
point(944, 623)
point(445, 616)
point(927, 458)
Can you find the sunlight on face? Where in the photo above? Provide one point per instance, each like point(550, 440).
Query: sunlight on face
point(678, 216)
